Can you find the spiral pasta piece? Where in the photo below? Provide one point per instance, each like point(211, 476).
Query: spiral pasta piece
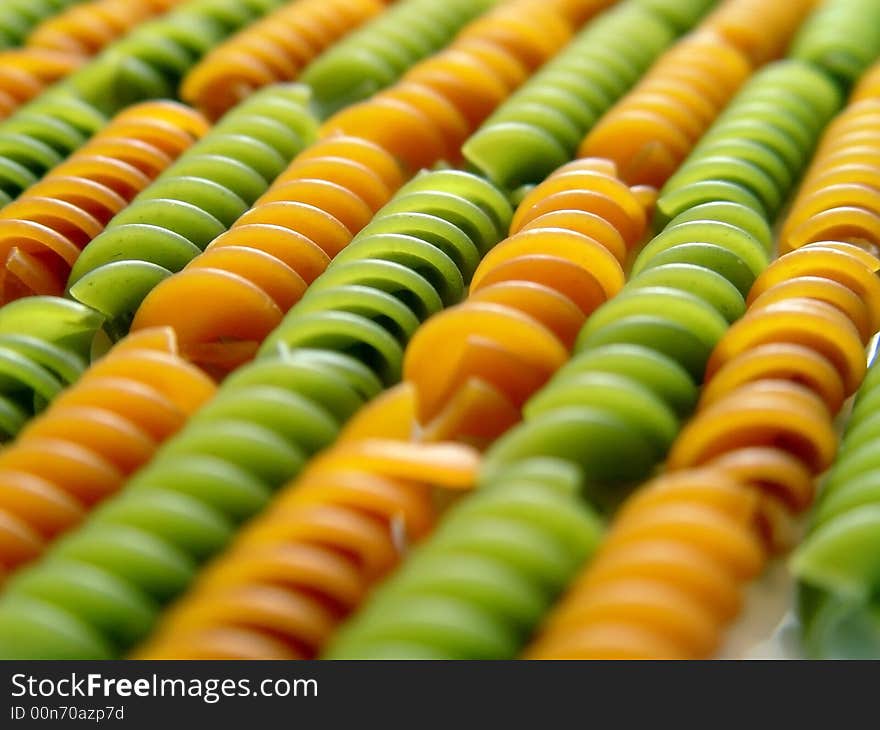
point(335, 350)
point(271, 50)
point(670, 576)
point(835, 565)
point(191, 203)
point(489, 571)
point(842, 38)
point(440, 101)
point(761, 31)
point(651, 130)
point(26, 72)
point(45, 345)
point(92, 438)
point(836, 200)
point(540, 126)
point(376, 55)
point(43, 231)
point(19, 17)
point(614, 410)
point(528, 299)
point(261, 267)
